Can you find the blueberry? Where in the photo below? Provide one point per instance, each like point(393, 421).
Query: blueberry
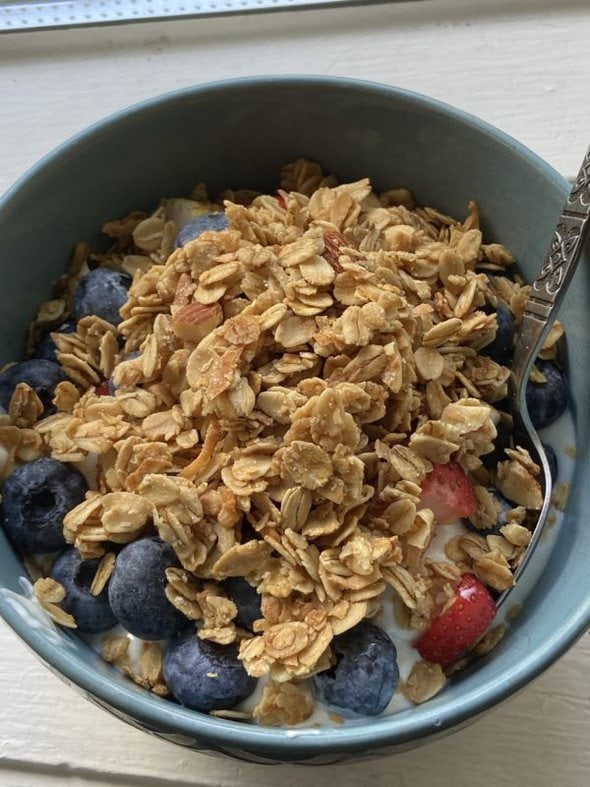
point(547, 401)
point(41, 375)
point(500, 349)
point(91, 613)
point(47, 349)
point(551, 461)
point(36, 497)
point(208, 221)
point(365, 675)
point(101, 292)
point(206, 676)
point(503, 506)
point(136, 590)
point(246, 599)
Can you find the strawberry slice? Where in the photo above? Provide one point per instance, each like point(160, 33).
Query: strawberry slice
point(447, 491)
point(463, 623)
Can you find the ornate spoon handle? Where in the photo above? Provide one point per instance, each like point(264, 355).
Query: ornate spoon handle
point(555, 275)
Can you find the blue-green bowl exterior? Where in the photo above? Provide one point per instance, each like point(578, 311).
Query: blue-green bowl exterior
point(237, 134)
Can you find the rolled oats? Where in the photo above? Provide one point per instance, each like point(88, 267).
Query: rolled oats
point(103, 573)
point(50, 593)
point(424, 682)
point(115, 649)
point(281, 389)
point(283, 704)
point(489, 641)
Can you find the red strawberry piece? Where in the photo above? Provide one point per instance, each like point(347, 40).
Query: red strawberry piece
point(463, 623)
point(447, 491)
point(103, 388)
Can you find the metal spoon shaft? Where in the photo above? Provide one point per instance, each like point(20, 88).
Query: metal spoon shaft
point(553, 280)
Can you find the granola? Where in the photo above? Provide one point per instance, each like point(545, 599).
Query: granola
point(280, 390)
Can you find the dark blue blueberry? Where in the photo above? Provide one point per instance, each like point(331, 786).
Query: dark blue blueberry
point(547, 401)
point(41, 375)
point(47, 349)
point(503, 507)
point(101, 292)
point(246, 599)
point(208, 221)
point(206, 676)
point(91, 613)
point(137, 590)
point(365, 675)
point(500, 349)
point(551, 461)
point(36, 497)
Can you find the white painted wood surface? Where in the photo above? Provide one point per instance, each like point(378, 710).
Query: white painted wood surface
point(524, 65)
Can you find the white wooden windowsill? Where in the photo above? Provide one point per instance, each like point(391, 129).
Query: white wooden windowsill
point(523, 65)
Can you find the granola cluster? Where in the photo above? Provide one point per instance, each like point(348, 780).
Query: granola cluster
point(280, 391)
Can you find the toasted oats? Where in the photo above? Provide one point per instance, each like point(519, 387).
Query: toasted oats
point(50, 593)
point(548, 349)
point(283, 387)
point(147, 234)
point(241, 559)
point(25, 407)
point(516, 482)
point(115, 649)
point(103, 573)
point(283, 704)
point(124, 513)
point(501, 544)
point(218, 613)
point(490, 639)
point(182, 592)
point(307, 464)
point(442, 332)
point(150, 663)
point(493, 569)
point(424, 682)
point(58, 615)
point(49, 590)
point(516, 534)
point(474, 545)
point(66, 396)
point(286, 650)
point(429, 363)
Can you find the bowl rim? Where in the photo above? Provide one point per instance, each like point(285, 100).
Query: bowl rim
point(399, 728)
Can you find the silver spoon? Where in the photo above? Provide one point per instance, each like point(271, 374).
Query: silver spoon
point(547, 293)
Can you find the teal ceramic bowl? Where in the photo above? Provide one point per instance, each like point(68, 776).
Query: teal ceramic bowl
point(237, 134)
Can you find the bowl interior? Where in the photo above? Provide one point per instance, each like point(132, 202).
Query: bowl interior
point(238, 134)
